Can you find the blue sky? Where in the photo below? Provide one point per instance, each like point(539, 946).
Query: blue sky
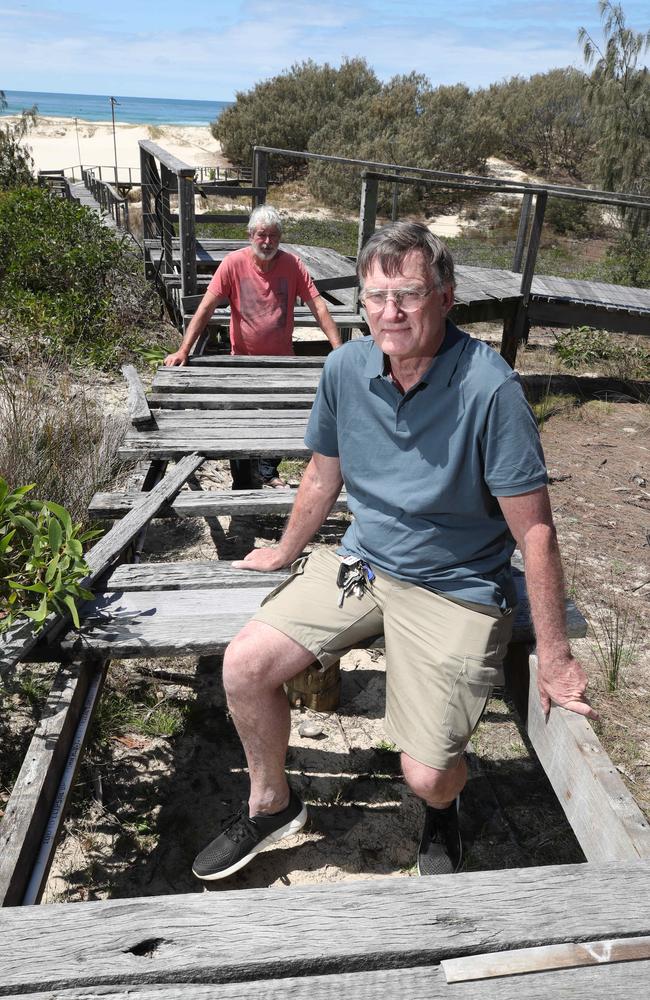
point(209, 50)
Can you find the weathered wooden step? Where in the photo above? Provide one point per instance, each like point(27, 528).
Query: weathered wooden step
point(206, 503)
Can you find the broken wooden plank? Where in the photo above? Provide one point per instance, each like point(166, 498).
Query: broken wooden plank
point(138, 406)
point(522, 961)
point(28, 809)
point(315, 930)
point(200, 621)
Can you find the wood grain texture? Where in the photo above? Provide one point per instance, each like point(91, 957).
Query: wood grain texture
point(606, 820)
point(137, 401)
point(158, 622)
point(27, 811)
point(623, 982)
point(546, 957)
point(358, 926)
point(208, 503)
point(188, 576)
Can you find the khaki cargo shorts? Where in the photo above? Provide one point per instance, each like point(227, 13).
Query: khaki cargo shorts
point(442, 658)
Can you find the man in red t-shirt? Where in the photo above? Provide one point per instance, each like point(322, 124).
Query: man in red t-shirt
point(261, 283)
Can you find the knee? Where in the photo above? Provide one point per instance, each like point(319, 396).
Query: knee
point(436, 786)
point(245, 666)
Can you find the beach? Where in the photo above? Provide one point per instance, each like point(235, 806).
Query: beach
point(53, 144)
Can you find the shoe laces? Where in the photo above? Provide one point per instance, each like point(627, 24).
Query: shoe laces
point(239, 825)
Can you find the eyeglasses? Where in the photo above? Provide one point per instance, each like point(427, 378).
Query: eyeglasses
point(406, 299)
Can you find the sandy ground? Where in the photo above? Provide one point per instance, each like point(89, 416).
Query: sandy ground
point(53, 144)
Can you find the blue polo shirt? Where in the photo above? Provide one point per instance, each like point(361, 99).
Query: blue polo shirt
point(423, 470)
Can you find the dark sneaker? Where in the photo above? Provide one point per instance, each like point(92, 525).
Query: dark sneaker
point(441, 850)
point(244, 836)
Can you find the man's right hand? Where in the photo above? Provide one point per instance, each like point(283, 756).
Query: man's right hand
point(178, 358)
point(263, 560)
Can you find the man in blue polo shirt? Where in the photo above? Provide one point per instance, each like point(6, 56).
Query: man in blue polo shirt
point(440, 455)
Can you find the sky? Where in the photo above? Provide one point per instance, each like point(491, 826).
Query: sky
point(210, 50)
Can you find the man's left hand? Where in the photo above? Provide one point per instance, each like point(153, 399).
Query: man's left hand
point(263, 560)
point(562, 681)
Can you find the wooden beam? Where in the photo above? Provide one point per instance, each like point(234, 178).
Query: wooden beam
point(187, 234)
point(522, 232)
point(28, 809)
point(138, 405)
point(607, 822)
point(319, 930)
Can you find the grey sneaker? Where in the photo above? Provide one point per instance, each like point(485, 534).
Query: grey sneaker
point(244, 836)
point(441, 850)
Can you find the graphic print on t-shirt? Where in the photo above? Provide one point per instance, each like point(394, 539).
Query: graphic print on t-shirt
point(267, 313)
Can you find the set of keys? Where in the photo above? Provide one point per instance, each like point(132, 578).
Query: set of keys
point(352, 576)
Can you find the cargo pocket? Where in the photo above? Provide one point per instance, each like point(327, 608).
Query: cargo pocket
point(472, 688)
point(297, 569)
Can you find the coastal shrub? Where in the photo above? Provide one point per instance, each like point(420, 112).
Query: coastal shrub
point(627, 261)
point(16, 164)
point(541, 123)
point(41, 558)
point(575, 218)
point(287, 109)
point(57, 435)
point(406, 123)
point(68, 286)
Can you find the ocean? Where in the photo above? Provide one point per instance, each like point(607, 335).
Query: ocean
point(133, 110)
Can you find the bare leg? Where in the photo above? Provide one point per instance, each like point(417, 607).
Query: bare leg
point(256, 664)
point(437, 788)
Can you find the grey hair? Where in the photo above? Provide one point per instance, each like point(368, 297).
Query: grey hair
point(264, 215)
point(390, 245)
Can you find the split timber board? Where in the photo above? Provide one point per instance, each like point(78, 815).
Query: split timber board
point(201, 617)
point(359, 939)
point(205, 503)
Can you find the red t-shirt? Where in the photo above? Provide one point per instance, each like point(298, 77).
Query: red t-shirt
point(261, 302)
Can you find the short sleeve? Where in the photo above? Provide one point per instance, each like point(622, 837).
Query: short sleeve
point(512, 451)
point(305, 287)
point(221, 281)
point(322, 434)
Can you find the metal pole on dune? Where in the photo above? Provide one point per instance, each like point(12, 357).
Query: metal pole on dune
point(114, 101)
point(76, 126)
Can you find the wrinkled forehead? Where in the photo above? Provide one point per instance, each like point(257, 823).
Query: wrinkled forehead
point(272, 232)
point(410, 268)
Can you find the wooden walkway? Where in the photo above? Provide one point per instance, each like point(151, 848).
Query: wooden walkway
point(483, 294)
point(393, 938)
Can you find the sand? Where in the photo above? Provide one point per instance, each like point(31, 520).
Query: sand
point(53, 144)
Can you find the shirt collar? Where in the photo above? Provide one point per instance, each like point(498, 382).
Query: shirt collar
point(444, 363)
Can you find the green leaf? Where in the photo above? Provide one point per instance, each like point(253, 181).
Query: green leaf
point(62, 515)
point(23, 522)
point(4, 542)
point(37, 588)
point(41, 612)
point(68, 600)
point(54, 534)
point(74, 547)
point(52, 567)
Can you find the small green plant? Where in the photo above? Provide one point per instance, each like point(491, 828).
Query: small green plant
point(549, 406)
point(154, 356)
point(41, 558)
point(615, 633)
point(582, 347)
point(385, 746)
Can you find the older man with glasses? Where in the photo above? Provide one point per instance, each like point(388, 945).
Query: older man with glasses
point(261, 282)
point(440, 455)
